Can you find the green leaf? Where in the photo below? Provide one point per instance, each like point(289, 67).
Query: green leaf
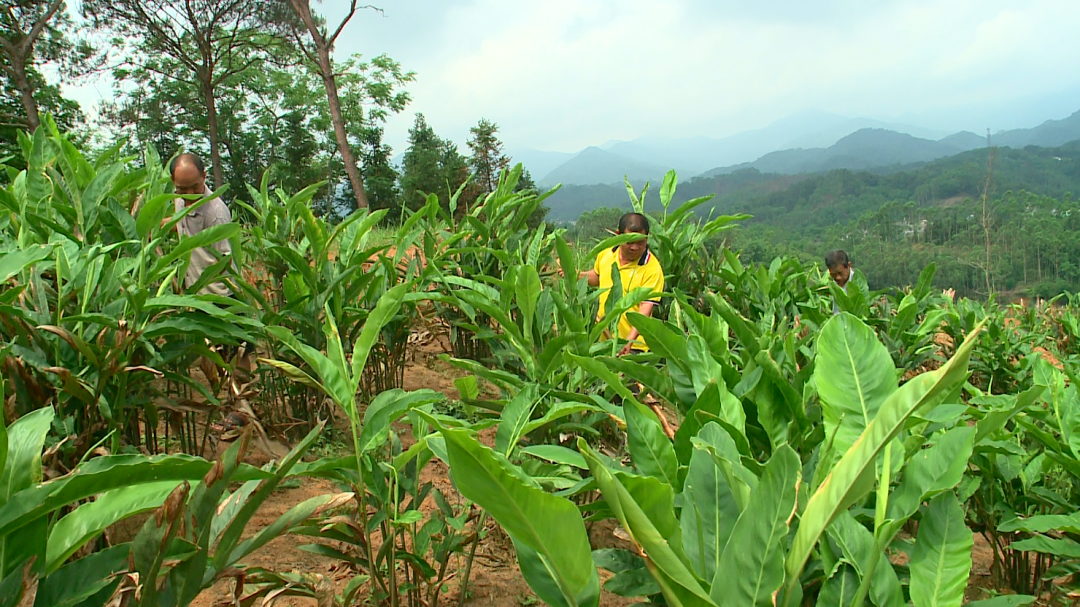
point(528, 289)
point(1005, 600)
point(1063, 548)
point(88, 520)
point(13, 263)
point(550, 526)
point(25, 439)
point(515, 416)
point(203, 239)
point(679, 584)
point(931, 471)
point(859, 549)
point(751, 567)
point(387, 407)
point(650, 448)
point(854, 376)
point(708, 515)
point(557, 454)
point(853, 475)
point(839, 590)
point(1067, 523)
point(941, 559)
point(79, 580)
point(102, 474)
point(996, 420)
point(287, 522)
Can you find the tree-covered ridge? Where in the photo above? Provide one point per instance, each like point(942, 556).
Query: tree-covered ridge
point(841, 195)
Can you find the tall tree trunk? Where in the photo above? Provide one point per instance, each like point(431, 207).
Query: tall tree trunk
point(340, 134)
point(323, 43)
point(215, 141)
point(26, 92)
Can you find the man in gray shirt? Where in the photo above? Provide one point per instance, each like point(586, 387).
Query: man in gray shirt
point(189, 177)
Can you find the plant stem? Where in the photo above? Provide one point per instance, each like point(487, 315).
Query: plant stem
point(469, 561)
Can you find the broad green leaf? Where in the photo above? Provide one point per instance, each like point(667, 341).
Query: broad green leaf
point(854, 376)
point(77, 581)
point(289, 521)
point(931, 471)
point(102, 474)
point(751, 568)
point(708, 402)
point(679, 584)
point(715, 441)
point(1005, 600)
point(387, 407)
point(1066, 401)
point(853, 475)
point(331, 378)
point(996, 420)
point(22, 470)
point(203, 239)
point(1063, 547)
point(557, 411)
point(14, 262)
point(1066, 523)
point(651, 450)
point(528, 289)
point(515, 416)
point(557, 454)
point(859, 548)
point(388, 305)
point(708, 515)
point(941, 559)
point(550, 526)
point(87, 521)
point(839, 590)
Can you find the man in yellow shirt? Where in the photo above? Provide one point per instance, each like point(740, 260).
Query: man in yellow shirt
point(638, 267)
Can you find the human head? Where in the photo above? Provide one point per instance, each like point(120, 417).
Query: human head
point(635, 223)
point(839, 266)
point(188, 174)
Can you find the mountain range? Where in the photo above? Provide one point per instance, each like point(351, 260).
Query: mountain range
point(808, 142)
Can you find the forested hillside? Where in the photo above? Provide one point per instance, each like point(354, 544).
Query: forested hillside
point(894, 224)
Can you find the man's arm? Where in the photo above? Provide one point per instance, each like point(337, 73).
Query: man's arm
point(645, 309)
point(592, 275)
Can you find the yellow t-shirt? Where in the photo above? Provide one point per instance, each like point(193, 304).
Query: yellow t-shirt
point(645, 272)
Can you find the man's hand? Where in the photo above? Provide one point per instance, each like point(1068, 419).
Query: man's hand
point(627, 349)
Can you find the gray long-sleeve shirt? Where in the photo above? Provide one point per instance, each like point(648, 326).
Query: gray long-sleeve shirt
point(212, 213)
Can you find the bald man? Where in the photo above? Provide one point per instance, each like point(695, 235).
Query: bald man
point(189, 177)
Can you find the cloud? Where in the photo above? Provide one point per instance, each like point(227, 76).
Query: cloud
point(564, 74)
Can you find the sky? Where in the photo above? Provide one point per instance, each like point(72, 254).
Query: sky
point(560, 75)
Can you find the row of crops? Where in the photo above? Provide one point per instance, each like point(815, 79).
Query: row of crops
point(775, 454)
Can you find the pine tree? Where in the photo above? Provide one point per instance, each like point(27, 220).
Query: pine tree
point(432, 166)
point(487, 161)
point(420, 172)
point(380, 177)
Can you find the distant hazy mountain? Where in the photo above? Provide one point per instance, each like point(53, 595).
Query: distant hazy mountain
point(828, 136)
point(1051, 133)
point(864, 149)
point(538, 162)
point(964, 140)
point(596, 166)
point(875, 148)
point(693, 155)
